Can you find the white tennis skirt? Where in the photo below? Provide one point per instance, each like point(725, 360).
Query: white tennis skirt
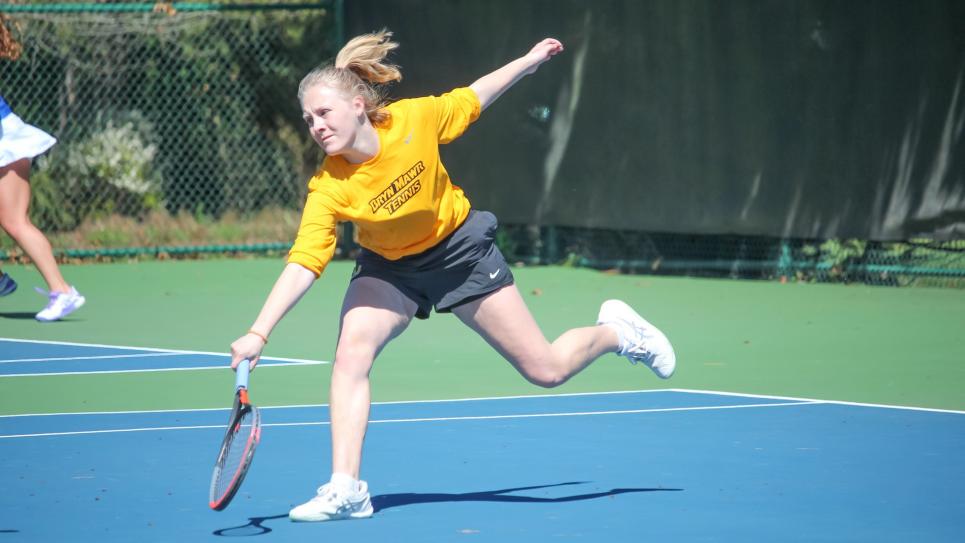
point(20, 140)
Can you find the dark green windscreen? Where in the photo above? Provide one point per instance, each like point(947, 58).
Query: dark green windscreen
point(804, 119)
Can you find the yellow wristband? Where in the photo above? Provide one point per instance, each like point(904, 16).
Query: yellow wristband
point(260, 335)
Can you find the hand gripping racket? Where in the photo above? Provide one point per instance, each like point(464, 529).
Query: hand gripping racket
point(238, 447)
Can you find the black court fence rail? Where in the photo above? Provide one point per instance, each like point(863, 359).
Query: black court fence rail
point(920, 262)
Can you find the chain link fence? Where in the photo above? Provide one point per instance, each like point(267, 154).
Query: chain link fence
point(177, 123)
point(179, 133)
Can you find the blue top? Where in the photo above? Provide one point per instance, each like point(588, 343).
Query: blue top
point(4, 108)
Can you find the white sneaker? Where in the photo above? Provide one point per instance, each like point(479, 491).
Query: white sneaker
point(60, 304)
point(331, 504)
point(640, 341)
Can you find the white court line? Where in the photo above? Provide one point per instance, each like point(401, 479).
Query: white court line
point(574, 414)
point(150, 349)
point(517, 397)
point(431, 419)
point(836, 402)
point(117, 431)
point(311, 405)
point(261, 364)
point(149, 352)
point(72, 358)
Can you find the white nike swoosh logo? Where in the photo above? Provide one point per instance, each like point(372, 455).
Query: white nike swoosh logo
point(494, 274)
point(408, 138)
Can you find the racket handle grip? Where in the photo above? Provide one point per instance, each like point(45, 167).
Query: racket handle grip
point(241, 379)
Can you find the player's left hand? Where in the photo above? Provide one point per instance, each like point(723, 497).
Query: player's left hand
point(543, 51)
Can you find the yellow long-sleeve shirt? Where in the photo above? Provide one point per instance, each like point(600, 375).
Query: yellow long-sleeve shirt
point(401, 200)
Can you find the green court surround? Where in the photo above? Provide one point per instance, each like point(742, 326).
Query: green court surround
point(833, 342)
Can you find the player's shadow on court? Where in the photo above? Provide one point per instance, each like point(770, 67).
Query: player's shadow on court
point(23, 315)
point(387, 501)
point(16, 315)
point(382, 502)
point(255, 526)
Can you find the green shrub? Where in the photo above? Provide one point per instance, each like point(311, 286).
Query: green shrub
point(111, 171)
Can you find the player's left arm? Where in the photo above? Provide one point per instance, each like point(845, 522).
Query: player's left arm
point(491, 86)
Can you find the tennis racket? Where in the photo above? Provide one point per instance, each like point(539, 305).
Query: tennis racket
point(238, 446)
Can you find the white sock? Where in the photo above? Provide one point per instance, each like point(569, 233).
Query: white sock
point(344, 483)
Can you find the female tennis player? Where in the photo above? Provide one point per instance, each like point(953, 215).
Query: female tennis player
point(19, 144)
point(423, 247)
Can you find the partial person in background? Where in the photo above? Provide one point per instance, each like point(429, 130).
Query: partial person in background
point(19, 144)
point(423, 247)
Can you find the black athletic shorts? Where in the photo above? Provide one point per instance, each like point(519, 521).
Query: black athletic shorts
point(463, 267)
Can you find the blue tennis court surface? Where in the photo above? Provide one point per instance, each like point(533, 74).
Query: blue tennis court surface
point(670, 465)
point(21, 358)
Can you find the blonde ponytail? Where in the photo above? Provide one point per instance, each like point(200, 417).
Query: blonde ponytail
point(365, 54)
point(359, 70)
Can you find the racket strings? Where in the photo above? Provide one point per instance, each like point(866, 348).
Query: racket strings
point(238, 446)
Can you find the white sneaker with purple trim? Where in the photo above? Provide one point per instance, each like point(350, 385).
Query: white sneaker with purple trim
point(331, 504)
point(640, 341)
point(60, 304)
